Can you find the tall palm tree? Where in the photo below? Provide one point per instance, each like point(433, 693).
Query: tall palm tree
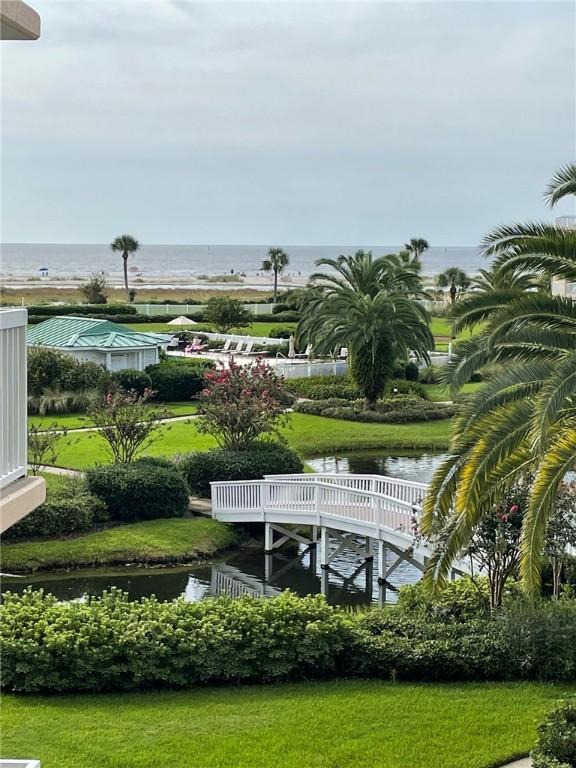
point(523, 419)
point(368, 305)
point(417, 247)
point(276, 261)
point(126, 245)
point(454, 278)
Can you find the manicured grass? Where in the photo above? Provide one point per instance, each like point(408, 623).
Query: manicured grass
point(310, 435)
point(78, 420)
point(353, 724)
point(153, 541)
point(440, 393)
point(254, 329)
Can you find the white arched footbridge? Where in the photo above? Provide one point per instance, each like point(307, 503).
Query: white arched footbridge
point(320, 509)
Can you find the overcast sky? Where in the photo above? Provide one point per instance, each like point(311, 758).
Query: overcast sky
point(293, 123)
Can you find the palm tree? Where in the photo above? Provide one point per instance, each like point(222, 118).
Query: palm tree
point(276, 261)
point(125, 244)
point(523, 419)
point(454, 277)
point(417, 246)
point(368, 305)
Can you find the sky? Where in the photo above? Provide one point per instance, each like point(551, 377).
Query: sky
point(280, 122)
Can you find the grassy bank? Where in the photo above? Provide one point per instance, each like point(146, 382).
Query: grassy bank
point(356, 724)
point(36, 293)
point(310, 435)
point(153, 541)
point(79, 420)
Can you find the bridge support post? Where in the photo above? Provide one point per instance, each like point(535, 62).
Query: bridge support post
point(324, 547)
point(268, 538)
point(369, 548)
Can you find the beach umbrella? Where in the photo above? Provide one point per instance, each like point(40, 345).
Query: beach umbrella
point(182, 320)
point(291, 349)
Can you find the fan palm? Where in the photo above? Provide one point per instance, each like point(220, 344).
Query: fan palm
point(126, 245)
point(454, 278)
point(368, 305)
point(417, 246)
point(524, 418)
point(276, 261)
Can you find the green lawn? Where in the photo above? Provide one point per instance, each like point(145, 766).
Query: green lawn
point(153, 541)
point(353, 724)
point(310, 435)
point(254, 329)
point(75, 420)
point(439, 393)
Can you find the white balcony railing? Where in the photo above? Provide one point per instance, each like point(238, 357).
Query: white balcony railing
point(13, 395)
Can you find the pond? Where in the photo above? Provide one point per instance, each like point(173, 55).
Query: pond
point(349, 581)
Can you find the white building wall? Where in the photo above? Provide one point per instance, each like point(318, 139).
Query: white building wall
point(559, 287)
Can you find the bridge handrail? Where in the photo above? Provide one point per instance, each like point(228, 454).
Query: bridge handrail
point(311, 476)
point(317, 484)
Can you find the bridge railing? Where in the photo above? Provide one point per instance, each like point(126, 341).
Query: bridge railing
point(315, 498)
point(403, 490)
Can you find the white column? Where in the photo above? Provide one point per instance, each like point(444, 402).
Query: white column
point(268, 538)
point(324, 548)
point(381, 561)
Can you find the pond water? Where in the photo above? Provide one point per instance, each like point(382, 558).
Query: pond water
point(349, 580)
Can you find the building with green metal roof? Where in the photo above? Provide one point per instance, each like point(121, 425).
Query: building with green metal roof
point(99, 341)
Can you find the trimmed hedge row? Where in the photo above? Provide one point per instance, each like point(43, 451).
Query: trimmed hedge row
point(146, 489)
point(109, 643)
point(50, 310)
point(556, 744)
point(178, 379)
point(342, 387)
point(200, 469)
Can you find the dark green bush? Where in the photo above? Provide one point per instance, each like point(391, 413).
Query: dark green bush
point(411, 371)
point(51, 310)
point(476, 377)
point(140, 491)
point(398, 409)
point(109, 643)
point(177, 380)
point(200, 469)
point(68, 508)
point(132, 380)
point(430, 375)
point(324, 387)
point(54, 370)
point(289, 316)
point(406, 388)
point(281, 333)
point(556, 743)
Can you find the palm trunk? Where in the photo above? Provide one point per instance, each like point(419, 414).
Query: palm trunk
point(275, 285)
point(125, 259)
point(453, 292)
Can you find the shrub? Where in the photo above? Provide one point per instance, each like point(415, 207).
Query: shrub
point(69, 507)
point(411, 371)
point(399, 409)
point(281, 333)
point(289, 316)
point(176, 380)
point(140, 490)
point(200, 469)
point(132, 380)
point(110, 643)
point(431, 375)
point(406, 388)
point(476, 377)
point(49, 369)
point(51, 310)
point(324, 387)
point(226, 313)
point(556, 743)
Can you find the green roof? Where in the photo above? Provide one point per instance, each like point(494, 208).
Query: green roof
point(68, 332)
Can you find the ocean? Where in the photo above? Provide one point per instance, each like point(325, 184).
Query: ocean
point(182, 261)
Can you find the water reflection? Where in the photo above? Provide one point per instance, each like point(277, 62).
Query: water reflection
point(350, 580)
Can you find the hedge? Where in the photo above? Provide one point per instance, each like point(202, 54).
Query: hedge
point(328, 387)
point(399, 409)
point(132, 380)
point(200, 469)
point(107, 643)
point(142, 490)
point(177, 380)
point(69, 508)
point(51, 310)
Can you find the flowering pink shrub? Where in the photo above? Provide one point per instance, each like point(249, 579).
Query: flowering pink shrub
point(241, 403)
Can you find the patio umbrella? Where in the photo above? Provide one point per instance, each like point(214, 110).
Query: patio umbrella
point(182, 320)
point(291, 348)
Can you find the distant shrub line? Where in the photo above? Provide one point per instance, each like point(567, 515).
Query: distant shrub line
point(400, 409)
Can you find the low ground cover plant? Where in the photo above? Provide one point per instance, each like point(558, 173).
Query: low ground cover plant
point(142, 490)
point(398, 409)
point(262, 458)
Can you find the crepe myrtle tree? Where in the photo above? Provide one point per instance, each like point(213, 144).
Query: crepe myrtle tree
point(128, 423)
point(126, 245)
point(241, 404)
point(43, 445)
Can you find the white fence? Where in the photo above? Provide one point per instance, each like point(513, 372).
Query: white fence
point(295, 369)
point(185, 309)
point(13, 395)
